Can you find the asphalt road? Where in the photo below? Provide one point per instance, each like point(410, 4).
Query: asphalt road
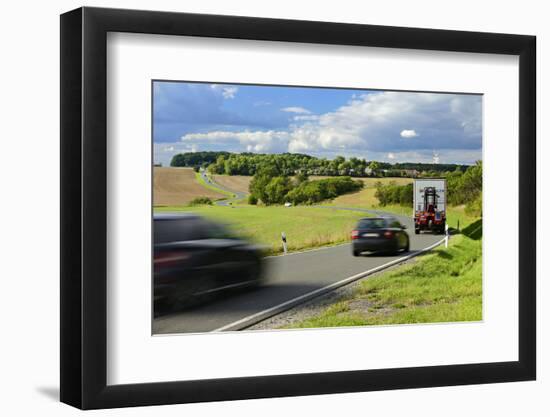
point(291, 279)
point(239, 195)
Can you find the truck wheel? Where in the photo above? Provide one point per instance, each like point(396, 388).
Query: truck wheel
point(416, 231)
point(356, 253)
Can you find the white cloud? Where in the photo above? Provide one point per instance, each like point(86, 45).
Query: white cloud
point(408, 134)
point(306, 118)
point(298, 110)
point(256, 141)
point(451, 156)
point(391, 155)
point(370, 124)
point(228, 92)
point(163, 152)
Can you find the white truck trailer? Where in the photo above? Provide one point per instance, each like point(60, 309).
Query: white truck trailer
point(430, 205)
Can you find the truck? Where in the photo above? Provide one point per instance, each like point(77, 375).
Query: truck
point(429, 205)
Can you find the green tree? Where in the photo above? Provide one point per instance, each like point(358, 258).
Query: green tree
point(301, 177)
point(276, 190)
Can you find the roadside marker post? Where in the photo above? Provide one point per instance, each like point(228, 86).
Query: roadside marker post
point(283, 238)
point(446, 235)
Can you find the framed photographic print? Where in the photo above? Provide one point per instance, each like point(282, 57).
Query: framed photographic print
point(258, 208)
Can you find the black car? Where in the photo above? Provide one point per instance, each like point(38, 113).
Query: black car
point(196, 259)
point(384, 234)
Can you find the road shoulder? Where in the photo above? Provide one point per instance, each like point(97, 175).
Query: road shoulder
point(319, 304)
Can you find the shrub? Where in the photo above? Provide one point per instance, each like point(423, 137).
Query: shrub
point(465, 187)
point(252, 199)
point(276, 190)
point(474, 208)
point(310, 192)
point(279, 189)
point(394, 194)
point(199, 201)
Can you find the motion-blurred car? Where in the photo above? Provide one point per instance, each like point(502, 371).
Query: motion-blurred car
point(379, 234)
point(196, 259)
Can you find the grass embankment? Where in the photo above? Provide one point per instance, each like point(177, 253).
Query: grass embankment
point(442, 286)
point(305, 227)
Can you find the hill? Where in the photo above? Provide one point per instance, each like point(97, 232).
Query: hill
point(178, 186)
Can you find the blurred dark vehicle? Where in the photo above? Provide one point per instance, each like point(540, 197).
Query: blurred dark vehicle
point(196, 259)
point(384, 234)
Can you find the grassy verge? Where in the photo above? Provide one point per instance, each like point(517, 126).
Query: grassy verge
point(442, 286)
point(366, 197)
point(305, 227)
point(212, 187)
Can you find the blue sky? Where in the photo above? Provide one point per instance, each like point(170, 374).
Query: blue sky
point(324, 122)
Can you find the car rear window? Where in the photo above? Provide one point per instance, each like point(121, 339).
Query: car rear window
point(372, 224)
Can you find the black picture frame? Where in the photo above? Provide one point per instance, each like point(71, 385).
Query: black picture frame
point(84, 207)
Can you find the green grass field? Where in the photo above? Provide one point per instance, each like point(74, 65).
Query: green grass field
point(444, 285)
point(365, 198)
point(305, 227)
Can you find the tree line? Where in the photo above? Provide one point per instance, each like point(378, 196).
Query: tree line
point(293, 163)
point(196, 159)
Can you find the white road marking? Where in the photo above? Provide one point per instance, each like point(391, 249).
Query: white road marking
point(308, 250)
point(225, 287)
point(254, 318)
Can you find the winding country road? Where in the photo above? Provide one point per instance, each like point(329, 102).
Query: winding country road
point(291, 280)
point(238, 195)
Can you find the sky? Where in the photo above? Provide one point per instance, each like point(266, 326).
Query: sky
point(389, 126)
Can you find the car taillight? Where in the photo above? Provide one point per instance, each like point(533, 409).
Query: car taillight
point(355, 234)
point(388, 234)
point(166, 259)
